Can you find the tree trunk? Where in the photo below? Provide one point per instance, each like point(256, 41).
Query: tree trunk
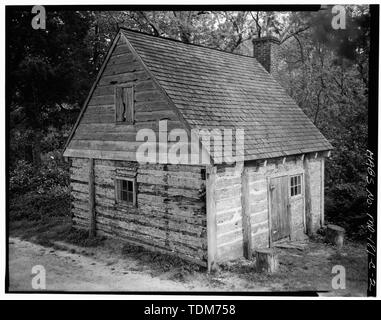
point(267, 261)
point(335, 235)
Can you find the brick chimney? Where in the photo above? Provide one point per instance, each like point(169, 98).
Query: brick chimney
point(266, 51)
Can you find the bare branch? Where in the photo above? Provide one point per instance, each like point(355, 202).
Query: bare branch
point(259, 28)
point(292, 34)
point(154, 27)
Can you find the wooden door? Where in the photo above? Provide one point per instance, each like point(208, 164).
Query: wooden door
point(280, 208)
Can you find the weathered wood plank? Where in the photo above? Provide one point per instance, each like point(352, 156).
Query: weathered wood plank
point(246, 224)
point(155, 115)
point(211, 218)
point(139, 86)
point(149, 95)
point(104, 102)
point(152, 235)
point(91, 199)
point(121, 58)
point(189, 183)
point(120, 49)
point(80, 187)
point(322, 193)
point(106, 136)
point(125, 77)
point(149, 246)
point(105, 145)
point(115, 155)
point(170, 192)
point(307, 195)
point(120, 68)
point(190, 233)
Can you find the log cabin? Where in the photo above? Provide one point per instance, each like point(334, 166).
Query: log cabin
point(204, 212)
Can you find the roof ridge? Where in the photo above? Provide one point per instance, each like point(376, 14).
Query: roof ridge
point(191, 44)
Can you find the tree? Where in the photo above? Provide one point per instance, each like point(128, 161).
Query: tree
point(48, 71)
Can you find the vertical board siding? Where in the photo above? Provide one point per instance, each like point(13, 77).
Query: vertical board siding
point(170, 215)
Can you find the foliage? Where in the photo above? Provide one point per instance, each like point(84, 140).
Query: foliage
point(39, 194)
point(51, 229)
point(52, 174)
point(51, 71)
point(39, 206)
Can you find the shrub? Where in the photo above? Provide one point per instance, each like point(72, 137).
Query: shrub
point(345, 206)
point(21, 178)
point(36, 194)
point(36, 206)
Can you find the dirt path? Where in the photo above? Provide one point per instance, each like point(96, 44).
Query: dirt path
point(110, 267)
point(75, 272)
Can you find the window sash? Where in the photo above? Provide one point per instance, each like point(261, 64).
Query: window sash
point(296, 185)
point(125, 191)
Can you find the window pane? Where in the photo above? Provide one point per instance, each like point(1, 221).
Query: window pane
point(295, 182)
point(125, 190)
point(129, 186)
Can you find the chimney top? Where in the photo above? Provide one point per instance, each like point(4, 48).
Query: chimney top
point(266, 51)
point(267, 39)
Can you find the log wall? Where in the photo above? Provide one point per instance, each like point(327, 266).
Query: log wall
point(170, 214)
point(228, 188)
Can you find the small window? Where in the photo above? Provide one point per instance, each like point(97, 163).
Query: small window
point(124, 104)
point(296, 185)
point(125, 191)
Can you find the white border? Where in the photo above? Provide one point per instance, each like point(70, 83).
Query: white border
point(150, 296)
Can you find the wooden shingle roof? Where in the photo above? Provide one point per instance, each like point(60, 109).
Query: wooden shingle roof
point(216, 89)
